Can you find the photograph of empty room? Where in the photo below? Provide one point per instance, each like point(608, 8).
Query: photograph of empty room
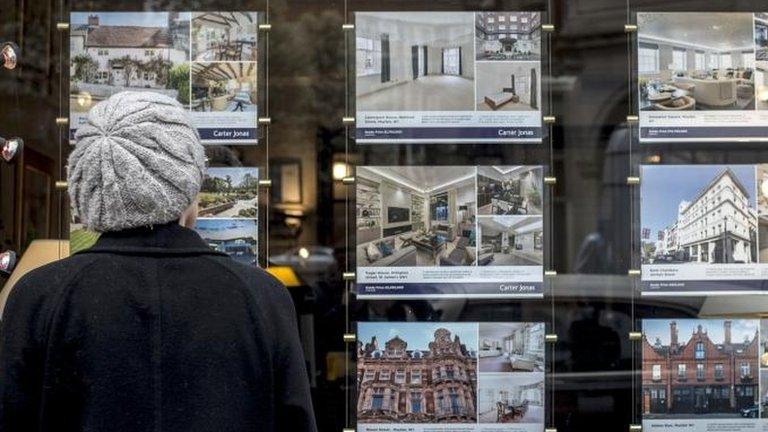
point(511, 240)
point(411, 216)
point(507, 86)
point(511, 398)
point(511, 347)
point(509, 190)
point(224, 86)
point(415, 61)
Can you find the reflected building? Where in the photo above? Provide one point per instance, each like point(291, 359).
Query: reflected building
point(401, 385)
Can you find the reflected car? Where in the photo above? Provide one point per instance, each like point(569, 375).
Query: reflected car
point(751, 412)
point(311, 263)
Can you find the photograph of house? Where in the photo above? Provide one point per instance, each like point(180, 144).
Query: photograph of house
point(511, 347)
point(511, 240)
point(508, 86)
point(503, 36)
point(696, 61)
point(509, 190)
point(709, 217)
point(224, 86)
point(706, 368)
point(112, 52)
point(416, 372)
point(230, 193)
point(414, 61)
point(411, 216)
point(237, 238)
point(224, 36)
point(511, 398)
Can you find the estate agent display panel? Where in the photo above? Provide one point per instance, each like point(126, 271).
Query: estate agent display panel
point(704, 374)
point(702, 76)
point(448, 77)
point(708, 233)
point(228, 218)
point(474, 377)
point(207, 61)
point(449, 231)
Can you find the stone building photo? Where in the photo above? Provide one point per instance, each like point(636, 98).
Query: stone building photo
point(708, 217)
point(704, 367)
point(417, 373)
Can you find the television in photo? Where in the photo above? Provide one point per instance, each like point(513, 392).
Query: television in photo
point(413, 220)
point(447, 77)
point(700, 77)
point(703, 372)
point(701, 235)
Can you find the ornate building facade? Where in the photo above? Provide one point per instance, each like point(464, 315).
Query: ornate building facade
point(401, 385)
point(700, 376)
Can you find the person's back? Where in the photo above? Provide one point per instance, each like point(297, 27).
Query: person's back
point(150, 330)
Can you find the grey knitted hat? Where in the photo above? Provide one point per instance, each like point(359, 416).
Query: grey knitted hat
point(137, 162)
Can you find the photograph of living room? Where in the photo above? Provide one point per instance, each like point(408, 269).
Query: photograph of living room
point(511, 347)
point(510, 240)
point(501, 36)
point(511, 398)
point(224, 86)
point(509, 190)
point(696, 61)
point(508, 86)
point(224, 36)
point(415, 61)
point(761, 36)
point(411, 216)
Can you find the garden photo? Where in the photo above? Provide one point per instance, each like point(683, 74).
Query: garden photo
point(230, 193)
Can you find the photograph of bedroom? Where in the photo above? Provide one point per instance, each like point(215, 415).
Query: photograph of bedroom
point(508, 86)
point(510, 240)
point(511, 347)
point(415, 61)
point(501, 36)
point(696, 61)
point(509, 190)
point(411, 216)
point(511, 398)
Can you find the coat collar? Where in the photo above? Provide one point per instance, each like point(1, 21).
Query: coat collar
point(170, 238)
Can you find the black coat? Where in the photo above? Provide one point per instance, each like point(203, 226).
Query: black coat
point(151, 330)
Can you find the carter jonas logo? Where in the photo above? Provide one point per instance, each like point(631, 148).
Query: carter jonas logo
point(517, 288)
point(515, 133)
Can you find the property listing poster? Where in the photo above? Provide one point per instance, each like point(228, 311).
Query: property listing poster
point(708, 233)
point(702, 76)
point(228, 215)
point(448, 77)
point(207, 61)
point(702, 375)
point(450, 377)
point(449, 231)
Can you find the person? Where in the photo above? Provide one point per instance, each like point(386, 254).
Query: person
point(150, 329)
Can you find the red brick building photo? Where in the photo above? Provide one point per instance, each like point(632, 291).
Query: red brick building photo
point(434, 383)
point(711, 370)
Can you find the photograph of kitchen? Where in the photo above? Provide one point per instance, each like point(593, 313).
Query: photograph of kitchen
point(415, 61)
point(224, 36)
point(696, 61)
point(509, 190)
